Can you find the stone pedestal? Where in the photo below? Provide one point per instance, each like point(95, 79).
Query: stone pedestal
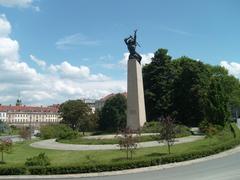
point(136, 115)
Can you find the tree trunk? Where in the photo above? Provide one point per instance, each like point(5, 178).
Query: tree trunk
point(168, 148)
point(2, 156)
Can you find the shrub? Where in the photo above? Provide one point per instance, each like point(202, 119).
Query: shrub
point(151, 127)
point(155, 126)
point(60, 131)
point(5, 170)
point(40, 160)
point(25, 133)
point(182, 131)
point(210, 129)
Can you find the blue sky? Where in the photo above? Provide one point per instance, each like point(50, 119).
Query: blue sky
point(51, 51)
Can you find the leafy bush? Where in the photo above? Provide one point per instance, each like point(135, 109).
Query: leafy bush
point(5, 170)
point(155, 126)
point(151, 127)
point(210, 129)
point(40, 160)
point(182, 131)
point(60, 131)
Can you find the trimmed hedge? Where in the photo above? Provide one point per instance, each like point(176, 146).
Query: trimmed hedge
point(233, 140)
point(5, 170)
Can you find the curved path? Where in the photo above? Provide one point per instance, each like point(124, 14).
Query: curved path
point(52, 144)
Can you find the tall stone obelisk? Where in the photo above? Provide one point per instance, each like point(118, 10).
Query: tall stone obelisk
point(136, 115)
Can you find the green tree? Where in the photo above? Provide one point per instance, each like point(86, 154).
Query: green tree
point(167, 132)
point(128, 141)
point(190, 90)
point(5, 147)
point(217, 110)
point(74, 113)
point(158, 77)
point(113, 114)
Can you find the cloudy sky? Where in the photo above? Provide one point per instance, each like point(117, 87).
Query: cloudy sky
point(52, 51)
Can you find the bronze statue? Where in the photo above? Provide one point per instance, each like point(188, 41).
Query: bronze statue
point(131, 43)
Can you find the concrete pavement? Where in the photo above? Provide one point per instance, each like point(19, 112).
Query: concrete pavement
point(52, 144)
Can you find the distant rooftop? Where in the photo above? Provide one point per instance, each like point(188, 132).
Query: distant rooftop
point(53, 108)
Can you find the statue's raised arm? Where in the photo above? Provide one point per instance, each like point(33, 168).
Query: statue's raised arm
point(131, 43)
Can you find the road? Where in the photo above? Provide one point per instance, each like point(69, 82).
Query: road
point(226, 168)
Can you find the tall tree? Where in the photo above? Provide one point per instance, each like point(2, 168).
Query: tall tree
point(113, 114)
point(217, 111)
point(75, 113)
point(190, 89)
point(158, 77)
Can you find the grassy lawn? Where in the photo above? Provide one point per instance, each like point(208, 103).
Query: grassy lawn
point(22, 151)
point(81, 140)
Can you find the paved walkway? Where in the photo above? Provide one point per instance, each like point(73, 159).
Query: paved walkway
point(52, 144)
point(111, 136)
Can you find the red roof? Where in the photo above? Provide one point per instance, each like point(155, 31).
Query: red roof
point(28, 109)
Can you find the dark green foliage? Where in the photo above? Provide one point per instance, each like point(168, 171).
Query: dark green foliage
point(59, 131)
point(151, 127)
point(16, 170)
point(217, 111)
point(76, 114)
point(158, 77)
point(113, 114)
point(40, 160)
point(154, 127)
point(190, 89)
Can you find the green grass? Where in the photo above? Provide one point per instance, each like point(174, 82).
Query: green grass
point(22, 151)
point(81, 140)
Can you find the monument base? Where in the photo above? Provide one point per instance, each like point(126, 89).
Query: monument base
point(136, 115)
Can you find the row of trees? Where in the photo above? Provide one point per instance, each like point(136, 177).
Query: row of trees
point(189, 90)
point(186, 89)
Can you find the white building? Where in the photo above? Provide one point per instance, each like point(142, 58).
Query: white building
point(3, 116)
point(29, 115)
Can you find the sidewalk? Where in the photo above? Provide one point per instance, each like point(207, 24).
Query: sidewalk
point(52, 144)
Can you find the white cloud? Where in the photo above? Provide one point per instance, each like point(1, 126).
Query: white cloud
point(232, 67)
point(56, 84)
point(146, 59)
point(19, 4)
point(75, 40)
point(39, 62)
point(5, 27)
point(66, 70)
